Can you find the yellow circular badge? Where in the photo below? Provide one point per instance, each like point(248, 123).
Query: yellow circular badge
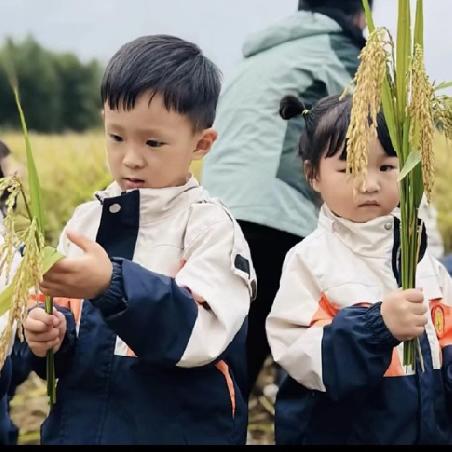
point(438, 320)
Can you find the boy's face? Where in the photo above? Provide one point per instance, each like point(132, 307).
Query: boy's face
point(151, 147)
point(377, 197)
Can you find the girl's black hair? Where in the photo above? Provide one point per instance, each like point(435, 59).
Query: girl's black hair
point(326, 128)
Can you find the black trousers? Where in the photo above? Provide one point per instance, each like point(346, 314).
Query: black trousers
point(268, 249)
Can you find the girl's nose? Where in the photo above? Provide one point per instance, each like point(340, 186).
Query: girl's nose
point(370, 184)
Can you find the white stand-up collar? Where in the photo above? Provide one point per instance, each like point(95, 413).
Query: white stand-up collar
point(156, 203)
point(374, 238)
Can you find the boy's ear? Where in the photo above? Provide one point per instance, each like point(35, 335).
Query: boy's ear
point(310, 177)
point(205, 143)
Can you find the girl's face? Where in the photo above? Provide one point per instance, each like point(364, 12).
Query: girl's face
point(378, 196)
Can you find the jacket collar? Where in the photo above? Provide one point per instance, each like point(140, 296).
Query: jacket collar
point(158, 203)
point(374, 238)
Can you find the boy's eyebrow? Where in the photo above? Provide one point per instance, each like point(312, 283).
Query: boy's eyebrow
point(142, 131)
point(150, 130)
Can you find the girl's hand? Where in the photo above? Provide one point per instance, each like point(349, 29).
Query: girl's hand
point(404, 313)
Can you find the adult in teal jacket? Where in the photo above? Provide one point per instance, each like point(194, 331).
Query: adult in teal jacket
point(254, 166)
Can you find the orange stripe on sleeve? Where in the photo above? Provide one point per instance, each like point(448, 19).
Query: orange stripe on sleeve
point(34, 298)
point(73, 304)
point(395, 369)
point(130, 352)
point(325, 313)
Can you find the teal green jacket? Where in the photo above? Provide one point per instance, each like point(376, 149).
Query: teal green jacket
point(254, 165)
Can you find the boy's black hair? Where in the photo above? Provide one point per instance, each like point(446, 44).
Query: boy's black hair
point(188, 82)
point(326, 128)
point(347, 7)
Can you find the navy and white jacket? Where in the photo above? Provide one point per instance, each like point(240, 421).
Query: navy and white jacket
point(346, 383)
point(5, 380)
point(5, 368)
point(159, 358)
point(5, 377)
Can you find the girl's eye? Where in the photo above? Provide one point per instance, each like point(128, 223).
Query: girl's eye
point(384, 168)
point(116, 138)
point(154, 143)
point(343, 170)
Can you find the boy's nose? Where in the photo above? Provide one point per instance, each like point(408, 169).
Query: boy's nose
point(133, 158)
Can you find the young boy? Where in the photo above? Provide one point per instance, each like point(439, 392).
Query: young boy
point(157, 278)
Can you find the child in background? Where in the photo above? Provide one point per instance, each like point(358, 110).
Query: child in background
point(15, 369)
point(339, 317)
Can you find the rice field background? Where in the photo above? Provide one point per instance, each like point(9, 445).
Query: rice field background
point(71, 167)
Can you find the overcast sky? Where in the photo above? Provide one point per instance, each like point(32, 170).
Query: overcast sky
point(97, 28)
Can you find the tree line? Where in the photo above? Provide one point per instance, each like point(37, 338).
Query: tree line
point(58, 92)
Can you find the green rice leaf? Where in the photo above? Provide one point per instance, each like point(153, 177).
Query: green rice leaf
point(403, 55)
point(369, 18)
point(414, 158)
point(48, 257)
point(33, 179)
point(419, 24)
point(443, 85)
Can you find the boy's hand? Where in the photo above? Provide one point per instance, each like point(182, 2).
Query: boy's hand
point(44, 331)
point(82, 277)
point(404, 313)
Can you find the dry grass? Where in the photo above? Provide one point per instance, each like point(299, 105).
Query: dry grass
point(29, 408)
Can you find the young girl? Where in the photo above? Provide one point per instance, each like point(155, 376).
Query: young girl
point(339, 318)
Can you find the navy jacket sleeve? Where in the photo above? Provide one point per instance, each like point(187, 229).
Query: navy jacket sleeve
point(149, 312)
point(5, 377)
point(20, 363)
point(356, 350)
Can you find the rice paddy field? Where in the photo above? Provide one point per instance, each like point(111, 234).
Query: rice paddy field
point(71, 168)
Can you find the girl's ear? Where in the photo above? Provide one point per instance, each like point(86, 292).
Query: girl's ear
point(310, 176)
point(205, 143)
